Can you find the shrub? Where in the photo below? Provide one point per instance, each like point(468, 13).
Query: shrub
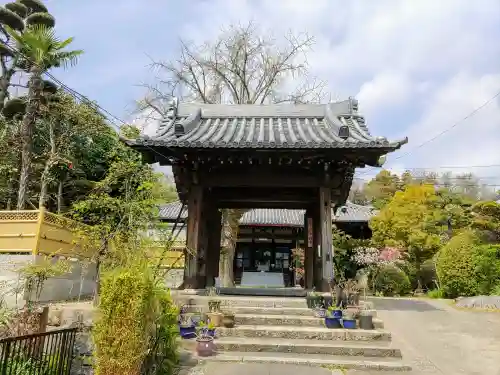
point(435, 293)
point(455, 265)
point(427, 274)
point(496, 290)
point(136, 314)
point(391, 280)
point(486, 260)
point(467, 268)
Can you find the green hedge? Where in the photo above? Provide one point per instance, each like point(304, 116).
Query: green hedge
point(391, 280)
point(466, 267)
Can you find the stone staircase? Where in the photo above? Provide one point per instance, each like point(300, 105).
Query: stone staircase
point(284, 330)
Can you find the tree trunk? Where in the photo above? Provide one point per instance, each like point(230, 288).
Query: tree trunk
point(46, 170)
point(34, 94)
point(59, 197)
point(230, 226)
point(98, 265)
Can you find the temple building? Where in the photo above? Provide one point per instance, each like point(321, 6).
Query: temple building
point(274, 156)
point(267, 236)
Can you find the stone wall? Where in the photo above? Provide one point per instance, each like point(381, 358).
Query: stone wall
point(69, 286)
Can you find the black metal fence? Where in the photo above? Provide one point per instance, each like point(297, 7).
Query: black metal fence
point(48, 353)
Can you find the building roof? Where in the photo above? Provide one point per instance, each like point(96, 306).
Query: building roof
point(350, 212)
point(250, 126)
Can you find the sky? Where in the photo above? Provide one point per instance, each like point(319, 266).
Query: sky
point(418, 68)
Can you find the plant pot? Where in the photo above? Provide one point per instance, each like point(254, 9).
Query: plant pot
point(366, 322)
point(331, 322)
point(320, 313)
point(336, 314)
point(205, 346)
point(228, 320)
point(215, 318)
point(313, 301)
point(211, 332)
point(327, 301)
point(187, 331)
point(349, 323)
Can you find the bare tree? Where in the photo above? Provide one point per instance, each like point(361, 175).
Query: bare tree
point(239, 67)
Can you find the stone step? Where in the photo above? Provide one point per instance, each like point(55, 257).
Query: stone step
point(315, 360)
point(382, 349)
point(287, 320)
point(235, 301)
point(254, 310)
point(307, 333)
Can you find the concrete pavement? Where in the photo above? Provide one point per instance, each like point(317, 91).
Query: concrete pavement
point(436, 338)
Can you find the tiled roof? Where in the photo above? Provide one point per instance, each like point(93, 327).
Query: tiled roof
point(243, 126)
point(268, 216)
point(295, 218)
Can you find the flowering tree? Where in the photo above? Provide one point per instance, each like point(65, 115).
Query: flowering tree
point(374, 259)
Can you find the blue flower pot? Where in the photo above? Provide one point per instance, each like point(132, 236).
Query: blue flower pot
point(349, 323)
point(187, 332)
point(331, 322)
point(337, 314)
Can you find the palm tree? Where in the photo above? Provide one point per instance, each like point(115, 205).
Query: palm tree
point(42, 50)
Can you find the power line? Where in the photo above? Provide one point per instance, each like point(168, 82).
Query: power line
point(75, 94)
point(476, 110)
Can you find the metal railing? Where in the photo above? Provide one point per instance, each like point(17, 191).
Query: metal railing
point(48, 353)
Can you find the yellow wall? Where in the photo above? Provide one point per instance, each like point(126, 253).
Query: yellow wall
point(18, 231)
point(37, 232)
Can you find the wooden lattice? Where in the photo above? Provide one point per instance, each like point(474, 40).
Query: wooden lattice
point(19, 215)
point(60, 221)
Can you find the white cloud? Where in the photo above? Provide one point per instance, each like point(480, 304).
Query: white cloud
point(417, 67)
point(384, 91)
point(438, 59)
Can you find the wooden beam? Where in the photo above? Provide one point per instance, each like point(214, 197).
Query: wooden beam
point(214, 228)
point(325, 217)
point(248, 178)
point(308, 250)
point(194, 266)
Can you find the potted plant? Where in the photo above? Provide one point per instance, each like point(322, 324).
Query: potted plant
point(187, 329)
point(332, 318)
point(228, 319)
point(213, 302)
point(205, 346)
point(320, 312)
point(196, 317)
point(365, 320)
point(348, 320)
point(313, 299)
point(207, 328)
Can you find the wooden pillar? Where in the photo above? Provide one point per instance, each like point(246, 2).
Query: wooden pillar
point(318, 265)
point(196, 244)
point(214, 228)
point(308, 250)
point(325, 217)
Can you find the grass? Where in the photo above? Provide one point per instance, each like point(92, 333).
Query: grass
point(335, 367)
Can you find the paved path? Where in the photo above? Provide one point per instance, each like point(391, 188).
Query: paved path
point(439, 339)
